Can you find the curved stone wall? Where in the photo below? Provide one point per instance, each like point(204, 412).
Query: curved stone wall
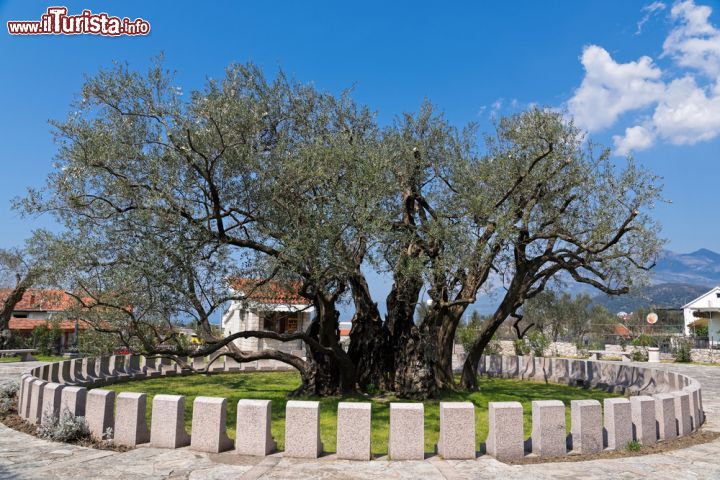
point(662, 406)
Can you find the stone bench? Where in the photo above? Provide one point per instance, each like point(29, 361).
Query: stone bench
point(598, 354)
point(25, 353)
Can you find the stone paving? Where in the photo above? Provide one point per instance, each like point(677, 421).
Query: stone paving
point(26, 457)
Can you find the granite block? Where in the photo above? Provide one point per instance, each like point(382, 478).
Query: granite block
point(642, 408)
point(302, 429)
point(457, 430)
point(51, 402)
point(665, 416)
point(505, 431)
point(254, 420)
point(353, 431)
point(407, 431)
point(130, 421)
point(36, 401)
point(618, 422)
point(99, 409)
point(167, 428)
point(548, 428)
point(682, 412)
point(73, 400)
point(209, 433)
point(586, 426)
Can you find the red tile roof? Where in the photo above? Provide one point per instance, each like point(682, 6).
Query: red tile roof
point(30, 323)
point(36, 300)
point(270, 292)
point(621, 329)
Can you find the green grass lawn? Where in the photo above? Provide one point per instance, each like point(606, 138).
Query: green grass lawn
point(39, 358)
point(276, 385)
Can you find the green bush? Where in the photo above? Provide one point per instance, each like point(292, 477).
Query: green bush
point(634, 446)
point(701, 331)
point(639, 355)
point(64, 428)
point(521, 347)
point(46, 338)
point(644, 340)
point(539, 342)
point(493, 348)
point(8, 391)
point(683, 349)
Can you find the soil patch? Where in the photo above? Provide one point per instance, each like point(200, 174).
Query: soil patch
point(13, 420)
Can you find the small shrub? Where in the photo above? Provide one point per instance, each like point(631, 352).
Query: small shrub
point(539, 342)
point(683, 352)
point(644, 340)
point(639, 355)
point(9, 389)
point(108, 434)
point(493, 348)
point(6, 405)
point(521, 347)
point(371, 389)
point(64, 428)
point(634, 446)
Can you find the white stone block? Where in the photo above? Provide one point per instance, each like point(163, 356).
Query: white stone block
point(167, 428)
point(302, 429)
point(353, 431)
point(457, 430)
point(407, 431)
point(254, 421)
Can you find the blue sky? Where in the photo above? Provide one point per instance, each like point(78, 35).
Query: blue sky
point(472, 59)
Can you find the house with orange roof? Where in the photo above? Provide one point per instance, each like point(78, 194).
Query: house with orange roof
point(38, 307)
point(272, 306)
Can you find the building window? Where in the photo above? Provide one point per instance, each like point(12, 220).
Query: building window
point(281, 322)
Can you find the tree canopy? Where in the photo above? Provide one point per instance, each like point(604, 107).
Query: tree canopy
point(165, 196)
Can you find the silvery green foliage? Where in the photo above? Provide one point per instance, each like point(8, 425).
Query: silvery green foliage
point(5, 404)
point(64, 428)
point(108, 434)
point(9, 389)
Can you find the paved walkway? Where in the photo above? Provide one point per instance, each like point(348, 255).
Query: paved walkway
point(26, 457)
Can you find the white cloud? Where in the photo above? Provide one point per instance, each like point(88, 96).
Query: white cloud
point(610, 89)
point(635, 139)
point(684, 101)
point(649, 10)
point(687, 114)
point(694, 42)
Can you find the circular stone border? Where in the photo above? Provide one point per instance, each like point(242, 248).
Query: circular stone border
point(663, 405)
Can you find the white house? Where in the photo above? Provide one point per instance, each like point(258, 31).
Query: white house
point(272, 306)
point(705, 307)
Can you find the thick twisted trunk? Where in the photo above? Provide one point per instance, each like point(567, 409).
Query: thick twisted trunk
point(331, 371)
point(447, 326)
point(414, 348)
point(369, 346)
point(415, 357)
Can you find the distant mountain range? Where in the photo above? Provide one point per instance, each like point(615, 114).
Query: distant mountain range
point(701, 267)
point(676, 279)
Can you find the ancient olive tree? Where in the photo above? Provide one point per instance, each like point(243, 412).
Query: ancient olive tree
point(167, 197)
